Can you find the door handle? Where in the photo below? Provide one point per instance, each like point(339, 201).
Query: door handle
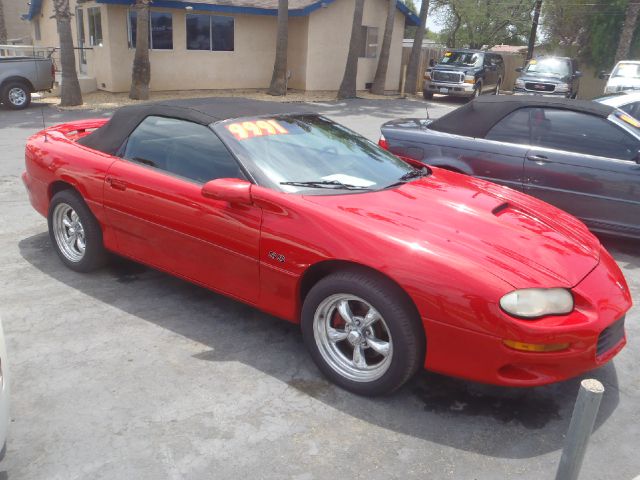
point(116, 184)
point(538, 158)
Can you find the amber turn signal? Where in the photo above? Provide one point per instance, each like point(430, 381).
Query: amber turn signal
point(535, 347)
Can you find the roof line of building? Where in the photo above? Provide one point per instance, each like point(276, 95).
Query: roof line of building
point(36, 5)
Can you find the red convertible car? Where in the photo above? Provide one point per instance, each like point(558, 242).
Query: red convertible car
point(389, 266)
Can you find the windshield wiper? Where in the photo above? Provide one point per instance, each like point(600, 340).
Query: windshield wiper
point(410, 175)
point(335, 184)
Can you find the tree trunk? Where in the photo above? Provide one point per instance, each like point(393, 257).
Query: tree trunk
point(70, 87)
point(534, 29)
point(626, 37)
point(348, 85)
point(416, 50)
point(3, 26)
point(279, 77)
point(383, 62)
point(141, 71)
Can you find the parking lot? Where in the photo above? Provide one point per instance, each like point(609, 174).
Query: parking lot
point(132, 373)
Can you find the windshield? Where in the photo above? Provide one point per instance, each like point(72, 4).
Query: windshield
point(312, 154)
point(627, 70)
point(549, 66)
point(466, 59)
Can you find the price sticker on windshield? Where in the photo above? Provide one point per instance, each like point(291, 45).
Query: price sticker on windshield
point(629, 119)
point(448, 54)
point(256, 128)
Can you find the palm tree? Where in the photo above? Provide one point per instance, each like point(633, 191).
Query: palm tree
point(70, 93)
point(416, 50)
point(348, 85)
point(630, 23)
point(141, 71)
point(3, 26)
point(383, 62)
point(279, 78)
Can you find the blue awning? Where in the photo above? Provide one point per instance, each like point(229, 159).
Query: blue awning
point(36, 5)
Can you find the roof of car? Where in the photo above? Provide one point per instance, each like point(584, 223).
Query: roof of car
point(110, 137)
point(476, 118)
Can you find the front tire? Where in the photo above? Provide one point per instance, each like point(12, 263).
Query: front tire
point(16, 96)
point(362, 332)
point(427, 95)
point(75, 233)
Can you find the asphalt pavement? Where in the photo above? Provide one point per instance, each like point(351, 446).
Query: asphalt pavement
point(129, 373)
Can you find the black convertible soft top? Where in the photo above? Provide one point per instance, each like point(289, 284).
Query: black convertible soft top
point(110, 137)
point(476, 118)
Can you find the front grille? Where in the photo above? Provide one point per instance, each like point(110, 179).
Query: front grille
point(610, 337)
point(540, 87)
point(451, 77)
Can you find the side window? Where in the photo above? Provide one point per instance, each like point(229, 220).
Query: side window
point(182, 148)
point(514, 128)
point(582, 133)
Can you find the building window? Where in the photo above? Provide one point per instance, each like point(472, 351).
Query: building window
point(369, 42)
point(160, 30)
point(95, 26)
point(36, 29)
point(210, 32)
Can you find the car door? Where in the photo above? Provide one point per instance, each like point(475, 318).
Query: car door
point(154, 203)
point(587, 166)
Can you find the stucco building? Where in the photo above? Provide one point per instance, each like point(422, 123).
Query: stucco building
point(209, 44)
point(18, 30)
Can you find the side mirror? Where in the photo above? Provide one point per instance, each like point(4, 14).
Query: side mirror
point(577, 74)
point(519, 69)
point(432, 63)
point(603, 75)
point(232, 190)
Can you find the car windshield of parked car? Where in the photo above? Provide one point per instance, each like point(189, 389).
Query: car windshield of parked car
point(464, 59)
point(311, 154)
point(551, 67)
point(627, 70)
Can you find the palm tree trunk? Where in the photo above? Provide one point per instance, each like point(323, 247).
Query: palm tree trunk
point(70, 93)
point(141, 71)
point(626, 37)
point(279, 77)
point(348, 85)
point(416, 50)
point(3, 26)
point(383, 62)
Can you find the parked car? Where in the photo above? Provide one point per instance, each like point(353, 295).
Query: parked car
point(4, 394)
point(625, 76)
point(465, 73)
point(578, 155)
point(21, 76)
point(628, 102)
point(555, 76)
point(388, 266)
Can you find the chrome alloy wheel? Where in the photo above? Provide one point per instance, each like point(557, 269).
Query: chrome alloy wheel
point(17, 96)
point(352, 337)
point(68, 232)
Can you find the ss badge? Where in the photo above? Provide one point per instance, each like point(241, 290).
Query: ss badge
point(276, 256)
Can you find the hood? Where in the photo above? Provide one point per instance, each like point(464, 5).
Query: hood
point(545, 78)
point(517, 238)
point(623, 82)
point(454, 68)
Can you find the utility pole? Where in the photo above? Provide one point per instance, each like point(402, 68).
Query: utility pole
point(534, 29)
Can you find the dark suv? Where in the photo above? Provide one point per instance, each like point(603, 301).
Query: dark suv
point(556, 76)
point(465, 73)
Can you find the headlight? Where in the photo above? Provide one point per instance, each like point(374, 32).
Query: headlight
point(519, 83)
point(562, 87)
point(469, 79)
point(537, 302)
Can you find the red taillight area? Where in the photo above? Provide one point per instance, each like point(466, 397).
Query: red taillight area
point(383, 142)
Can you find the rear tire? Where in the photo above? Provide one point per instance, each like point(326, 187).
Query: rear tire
point(16, 95)
point(75, 233)
point(335, 323)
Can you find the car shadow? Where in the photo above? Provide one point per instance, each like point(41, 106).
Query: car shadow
point(489, 420)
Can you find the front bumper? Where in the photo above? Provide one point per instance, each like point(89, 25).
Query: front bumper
point(522, 91)
point(594, 332)
point(445, 88)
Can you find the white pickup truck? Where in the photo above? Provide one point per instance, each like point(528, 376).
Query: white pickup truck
point(21, 76)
